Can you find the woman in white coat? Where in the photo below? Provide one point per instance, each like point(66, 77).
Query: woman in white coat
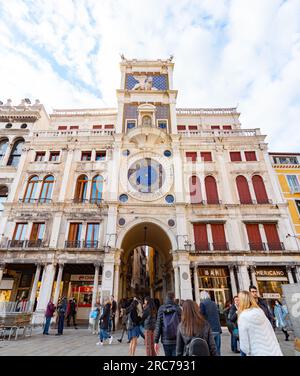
point(256, 335)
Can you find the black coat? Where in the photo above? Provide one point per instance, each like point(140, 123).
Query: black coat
point(104, 318)
point(232, 318)
point(263, 305)
point(205, 333)
point(210, 311)
point(160, 322)
point(132, 311)
point(148, 319)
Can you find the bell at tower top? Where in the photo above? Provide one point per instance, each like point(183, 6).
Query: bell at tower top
point(146, 75)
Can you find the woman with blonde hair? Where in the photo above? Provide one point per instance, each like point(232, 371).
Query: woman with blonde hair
point(256, 335)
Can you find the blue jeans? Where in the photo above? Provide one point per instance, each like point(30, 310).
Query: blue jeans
point(60, 325)
point(234, 343)
point(217, 338)
point(170, 350)
point(47, 325)
point(242, 353)
point(103, 335)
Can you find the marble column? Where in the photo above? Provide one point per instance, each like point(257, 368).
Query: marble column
point(96, 284)
point(244, 279)
point(196, 284)
point(58, 282)
point(297, 270)
point(35, 285)
point(2, 267)
point(232, 280)
point(116, 281)
point(253, 275)
point(176, 279)
point(290, 275)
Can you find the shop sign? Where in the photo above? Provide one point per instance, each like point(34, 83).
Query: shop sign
point(213, 272)
point(267, 295)
point(6, 284)
point(270, 273)
point(83, 277)
point(82, 289)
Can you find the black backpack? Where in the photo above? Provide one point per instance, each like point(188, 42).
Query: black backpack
point(170, 323)
point(197, 347)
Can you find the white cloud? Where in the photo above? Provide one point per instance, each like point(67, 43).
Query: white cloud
point(226, 52)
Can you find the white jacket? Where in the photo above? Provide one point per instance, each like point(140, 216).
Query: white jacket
point(257, 337)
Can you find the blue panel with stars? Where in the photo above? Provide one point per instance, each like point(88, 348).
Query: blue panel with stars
point(159, 82)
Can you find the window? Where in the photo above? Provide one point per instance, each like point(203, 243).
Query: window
point(297, 202)
point(211, 190)
point(243, 190)
point(215, 127)
point(254, 237)
point(23, 126)
point(97, 126)
point(92, 232)
point(206, 156)
point(162, 124)
point(191, 156)
point(47, 187)
point(293, 183)
point(3, 196)
point(19, 235)
point(31, 189)
point(109, 126)
point(273, 240)
point(62, 127)
point(170, 199)
point(15, 154)
point(74, 235)
point(218, 236)
point(86, 155)
point(195, 190)
point(40, 156)
point(74, 127)
point(167, 153)
point(81, 188)
point(131, 124)
point(97, 188)
point(100, 155)
point(235, 156)
point(250, 156)
point(260, 190)
point(54, 156)
point(181, 127)
point(286, 160)
point(3, 148)
point(200, 236)
point(123, 197)
point(227, 127)
point(37, 234)
point(193, 128)
point(8, 125)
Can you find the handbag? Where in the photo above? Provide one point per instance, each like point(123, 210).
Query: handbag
point(235, 332)
point(94, 314)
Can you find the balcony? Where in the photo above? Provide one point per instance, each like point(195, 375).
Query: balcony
point(221, 133)
point(254, 202)
point(260, 246)
point(202, 247)
point(257, 246)
point(35, 200)
point(93, 244)
point(74, 133)
point(276, 246)
point(25, 243)
point(204, 202)
point(97, 201)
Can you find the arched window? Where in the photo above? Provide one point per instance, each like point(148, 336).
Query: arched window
point(15, 154)
point(243, 190)
point(47, 187)
point(97, 188)
point(260, 190)
point(31, 189)
point(3, 196)
point(211, 190)
point(81, 188)
point(195, 190)
point(3, 147)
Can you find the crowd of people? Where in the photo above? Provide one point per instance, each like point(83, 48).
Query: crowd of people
point(186, 328)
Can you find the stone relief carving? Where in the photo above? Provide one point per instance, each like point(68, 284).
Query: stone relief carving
point(144, 83)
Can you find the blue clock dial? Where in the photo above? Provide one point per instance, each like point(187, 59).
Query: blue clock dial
point(146, 175)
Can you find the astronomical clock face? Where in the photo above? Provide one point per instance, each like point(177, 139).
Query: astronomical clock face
point(147, 177)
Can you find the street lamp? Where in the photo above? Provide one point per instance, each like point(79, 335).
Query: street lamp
point(292, 236)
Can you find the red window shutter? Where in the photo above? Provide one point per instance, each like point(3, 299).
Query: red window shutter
point(254, 237)
point(218, 236)
point(193, 127)
point(235, 156)
point(62, 127)
point(206, 156)
point(201, 239)
point(211, 190)
point(272, 236)
point(191, 156)
point(227, 127)
point(243, 190)
point(250, 156)
point(109, 126)
point(195, 190)
point(260, 190)
point(181, 127)
point(74, 127)
point(215, 127)
point(97, 126)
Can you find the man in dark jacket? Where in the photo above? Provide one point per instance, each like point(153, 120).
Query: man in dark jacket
point(210, 311)
point(262, 304)
point(71, 312)
point(232, 319)
point(168, 318)
point(48, 316)
point(61, 311)
point(113, 312)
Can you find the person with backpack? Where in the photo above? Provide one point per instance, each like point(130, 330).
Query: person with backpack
point(149, 320)
point(61, 311)
point(133, 325)
point(194, 334)
point(210, 311)
point(104, 324)
point(168, 319)
point(71, 312)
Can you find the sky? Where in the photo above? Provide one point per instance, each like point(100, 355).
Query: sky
point(227, 53)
